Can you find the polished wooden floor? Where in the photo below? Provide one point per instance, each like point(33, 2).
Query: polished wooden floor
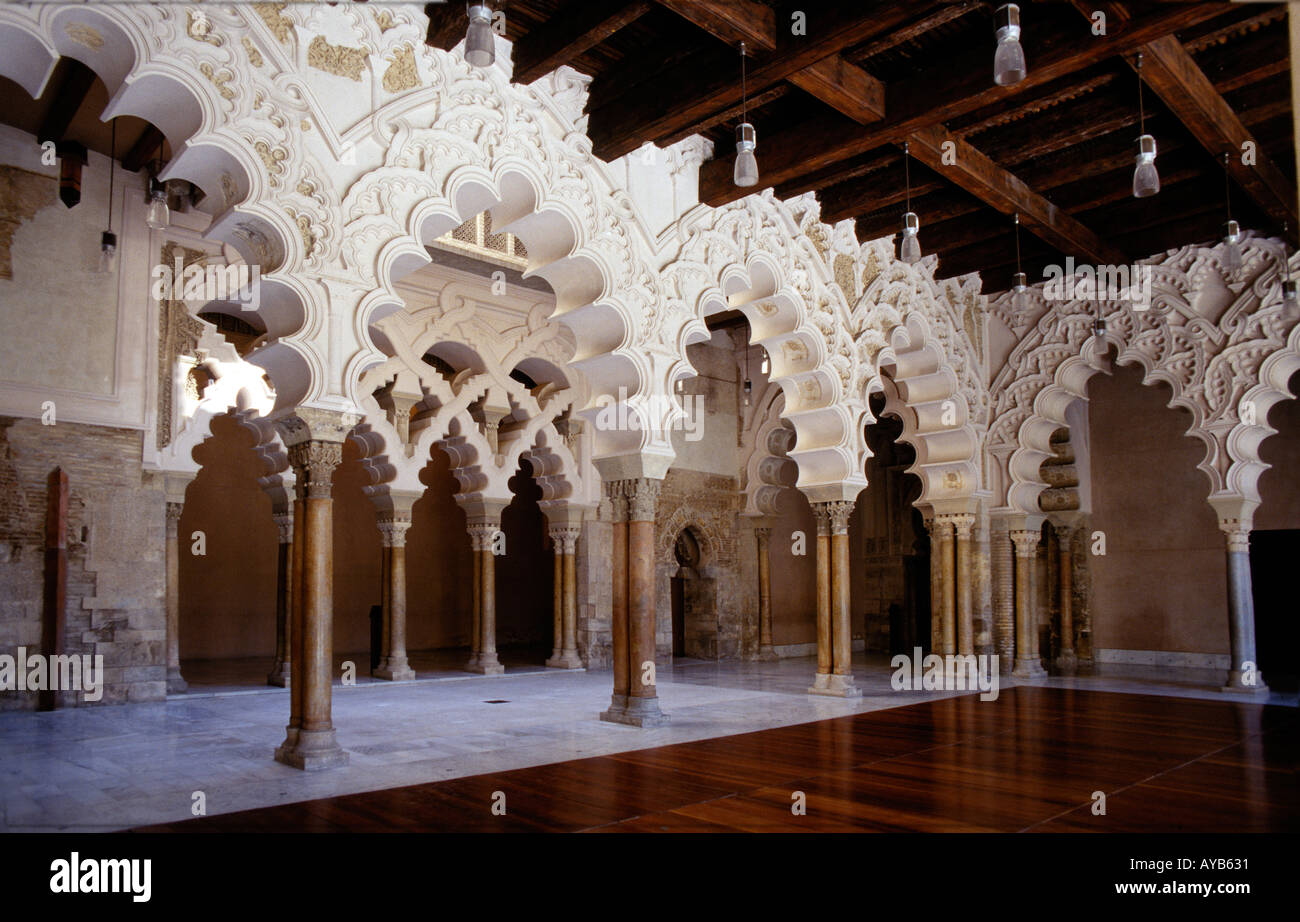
point(1029, 761)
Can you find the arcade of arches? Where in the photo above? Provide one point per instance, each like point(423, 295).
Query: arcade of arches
point(502, 407)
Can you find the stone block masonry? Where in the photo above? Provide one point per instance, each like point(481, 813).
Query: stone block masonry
point(116, 566)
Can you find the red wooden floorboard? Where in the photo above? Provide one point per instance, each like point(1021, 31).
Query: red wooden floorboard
point(1031, 760)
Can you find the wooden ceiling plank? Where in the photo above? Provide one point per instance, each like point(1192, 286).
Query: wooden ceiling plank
point(623, 124)
point(565, 37)
point(142, 150)
point(930, 99)
point(71, 94)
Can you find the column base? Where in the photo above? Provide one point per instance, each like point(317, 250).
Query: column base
point(617, 708)
point(175, 684)
point(638, 712)
point(835, 686)
point(1029, 669)
point(568, 660)
point(486, 665)
point(279, 675)
point(290, 743)
point(1066, 663)
point(766, 654)
point(316, 750)
point(472, 662)
point(401, 672)
point(1237, 688)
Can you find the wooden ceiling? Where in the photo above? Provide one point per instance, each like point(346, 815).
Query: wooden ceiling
point(833, 108)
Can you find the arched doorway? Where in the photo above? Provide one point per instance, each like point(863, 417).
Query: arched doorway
point(694, 608)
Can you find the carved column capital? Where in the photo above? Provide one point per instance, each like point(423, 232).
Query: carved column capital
point(642, 497)
point(823, 517)
point(392, 532)
point(614, 492)
point(840, 513)
point(961, 522)
point(482, 533)
point(174, 511)
point(565, 537)
point(1064, 533)
point(1026, 542)
point(314, 462)
point(283, 526)
point(1237, 535)
point(763, 533)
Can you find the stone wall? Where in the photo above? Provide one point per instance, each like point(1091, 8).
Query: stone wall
point(116, 542)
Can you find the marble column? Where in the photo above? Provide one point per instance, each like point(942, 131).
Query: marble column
point(822, 679)
point(841, 622)
point(1244, 676)
point(936, 586)
point(943, 525)
point(643, 695)
point(766, 652)
point(1001, 557)
point(295, 620)
point(175, 683)
point(615, 493)
point(564, 535)
point(982, 586)
point(280, 670)
point(393, 662)
point(962, 524)
point(483, 529)
point(1028, 663)
point(557, 602)
point(476, 618)
point(314, 460)
point(1066, 662)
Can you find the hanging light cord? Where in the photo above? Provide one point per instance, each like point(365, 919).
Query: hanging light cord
point(744, 92)
point(1142, 118)
point(907, 173)
point(1227, 185)
point(112, 157)
point(1017, 241)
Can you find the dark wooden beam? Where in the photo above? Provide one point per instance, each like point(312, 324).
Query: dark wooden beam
point(959, 162)
point(562, 38)
point(448, 23)
point(66, 100)
point(1188, 93)
point(940, 94)
point(142, 150)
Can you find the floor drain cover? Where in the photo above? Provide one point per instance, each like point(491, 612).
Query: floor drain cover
point(497, 701)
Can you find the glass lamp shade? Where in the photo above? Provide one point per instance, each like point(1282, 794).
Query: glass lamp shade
point(1146, 181)
point(107, 252)
point(909, 248)
point(1020, 294)
point(746, 172)
point(1290, 301)
point(159, 215)
point(480, 47)
point(1009, 59)
point(1232, 250)
point(749, 389)
point(1099, 345)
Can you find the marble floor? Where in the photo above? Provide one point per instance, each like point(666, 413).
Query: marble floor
point(116, 767)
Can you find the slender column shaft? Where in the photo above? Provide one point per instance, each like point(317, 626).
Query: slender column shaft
point(296, 659)
point(175, 683)
point(843, 642)
point(476, 628)
point(279, 674)
point(569, 651)
point(765, 648)
point(618, 608)
point(1027, 659)
point(1065, 575)
point(394, 664)
point(487, 659)
point(386, 606)
point(1244, 674)
point(936, 588)
point(1004, 630)
point(948, 594)
point(824, 617)
point(641, 707)
point(557, 594)
point(316, 747)
point(962, 525)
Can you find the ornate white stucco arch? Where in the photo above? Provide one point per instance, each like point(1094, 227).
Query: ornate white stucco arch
point(1206, 334)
